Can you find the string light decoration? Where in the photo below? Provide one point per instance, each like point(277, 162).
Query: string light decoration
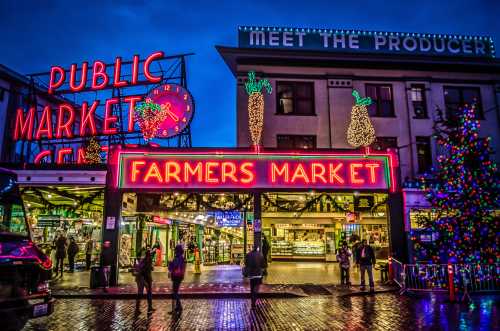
point(149, 116)
point(360, 131)
point(463, 198)
point(256, 106)
point(93, 152)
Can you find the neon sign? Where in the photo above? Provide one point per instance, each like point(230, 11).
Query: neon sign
point(232, 170)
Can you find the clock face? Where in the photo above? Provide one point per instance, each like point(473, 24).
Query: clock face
point(177, 104)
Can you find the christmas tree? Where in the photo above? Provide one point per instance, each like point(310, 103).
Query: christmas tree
point(360, 131)
point(93, 152)
point(463, 198)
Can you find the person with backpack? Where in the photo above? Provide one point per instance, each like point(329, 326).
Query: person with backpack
point(254, 265)
point(366, 259)
point(60, 253)
point(177, 269)
point(144, 278)
point(343, 257)
point(72, 251)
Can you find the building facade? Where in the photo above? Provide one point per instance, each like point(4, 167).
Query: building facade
point(414, 81)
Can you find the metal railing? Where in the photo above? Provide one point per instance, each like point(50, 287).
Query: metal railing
point(451, 278)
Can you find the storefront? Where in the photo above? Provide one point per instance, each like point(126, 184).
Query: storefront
point(304, 203)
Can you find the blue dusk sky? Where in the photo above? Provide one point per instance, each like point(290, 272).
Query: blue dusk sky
point(38, 34)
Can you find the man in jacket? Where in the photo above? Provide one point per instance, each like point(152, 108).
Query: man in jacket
point(72, 251)
point(254, 264)
point(60, 253)
point(365, 258)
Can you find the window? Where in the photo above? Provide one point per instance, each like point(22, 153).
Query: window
point(424, 157)
point(296, 141)
point(382, 105)
point(417, 94)
point(295, 98)
point(383, 143)
point(456, 97)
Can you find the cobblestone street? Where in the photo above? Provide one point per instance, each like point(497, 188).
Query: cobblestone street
point(374, 312)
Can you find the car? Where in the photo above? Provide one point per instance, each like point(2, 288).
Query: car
point(25, 271)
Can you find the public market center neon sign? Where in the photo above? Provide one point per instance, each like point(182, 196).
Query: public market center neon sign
point(233, 170)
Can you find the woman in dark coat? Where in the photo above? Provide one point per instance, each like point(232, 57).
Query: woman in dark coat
point(177, 269)
point(72, 251)
point(60, 253)
point(144, 278)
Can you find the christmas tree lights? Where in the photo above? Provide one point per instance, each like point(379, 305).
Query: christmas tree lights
point(360, 131)
point(464, 198)
point(256, 106)
point(93, 152)
point(149, 116)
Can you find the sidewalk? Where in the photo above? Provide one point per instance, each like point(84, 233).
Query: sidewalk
point(285, 279)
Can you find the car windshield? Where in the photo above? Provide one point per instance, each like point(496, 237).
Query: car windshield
point(12, 218)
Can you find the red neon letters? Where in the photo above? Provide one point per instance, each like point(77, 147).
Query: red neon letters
point(58, 74)
point(343, 173)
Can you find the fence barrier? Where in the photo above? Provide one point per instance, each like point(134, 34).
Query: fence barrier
point(451, 278)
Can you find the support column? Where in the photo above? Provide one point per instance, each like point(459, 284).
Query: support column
point(397, 234)
point(199, 239)
point(111, 228)
point(257, 217)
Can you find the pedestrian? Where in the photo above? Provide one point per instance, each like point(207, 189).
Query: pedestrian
point(265, 253)
point(60, 253)
point(343, 257)
point(144, 278)
point(177, 269)
point(106, 262)
point(72, 251)
point(365, 258)
point(254, 264)
point(89, 248)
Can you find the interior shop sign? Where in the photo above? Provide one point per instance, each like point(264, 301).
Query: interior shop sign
point(155, 170)
point(67, 120)
point(363, 41)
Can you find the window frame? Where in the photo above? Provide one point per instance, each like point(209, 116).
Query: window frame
point(460, 89)
point(378, 112)
point(295, 138)
point(429, 145)
point(294, 97)
point(423, 101)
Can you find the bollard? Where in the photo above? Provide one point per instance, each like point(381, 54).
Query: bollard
point(197, 262)
point(451, 284)
point(391, 272)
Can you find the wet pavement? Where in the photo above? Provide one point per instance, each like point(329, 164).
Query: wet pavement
point(284, 273)
point(373, 312)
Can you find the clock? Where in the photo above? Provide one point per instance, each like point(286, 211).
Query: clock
point(177, 109)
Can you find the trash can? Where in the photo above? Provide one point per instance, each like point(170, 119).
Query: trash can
point(95, 277)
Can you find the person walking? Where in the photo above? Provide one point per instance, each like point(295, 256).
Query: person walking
point(254, 264)
point(144, 278)
point(106, 262)
point(89, 249)
point(72, 251)
point(177, 269)
point(343, 257)
point(365, 258)
point(60, 253)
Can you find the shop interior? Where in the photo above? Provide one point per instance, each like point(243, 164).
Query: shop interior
point(299, 226)
point(75, 212)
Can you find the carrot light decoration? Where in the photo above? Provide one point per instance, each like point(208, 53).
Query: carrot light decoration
point(256, 106)
point(360, 131)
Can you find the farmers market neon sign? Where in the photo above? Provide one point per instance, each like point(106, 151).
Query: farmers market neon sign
point(232, 170)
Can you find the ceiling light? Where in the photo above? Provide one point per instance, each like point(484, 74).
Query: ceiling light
point(49, 195)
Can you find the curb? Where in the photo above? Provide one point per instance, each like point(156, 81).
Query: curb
point(367, 293)
point(188, 295)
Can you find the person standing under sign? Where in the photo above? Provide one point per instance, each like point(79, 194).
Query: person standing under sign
point(254, 264)
point(60, 253)
point(343, 257)
point(144, 278)
point(366, 259)
point(72, 251)
point(106, 262)
point(89, 248)
point(177, 269)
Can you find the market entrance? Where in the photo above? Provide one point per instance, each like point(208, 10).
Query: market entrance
point(214, 225)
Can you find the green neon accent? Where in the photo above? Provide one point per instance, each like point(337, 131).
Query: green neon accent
point(361, 101)
point(253, 86)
